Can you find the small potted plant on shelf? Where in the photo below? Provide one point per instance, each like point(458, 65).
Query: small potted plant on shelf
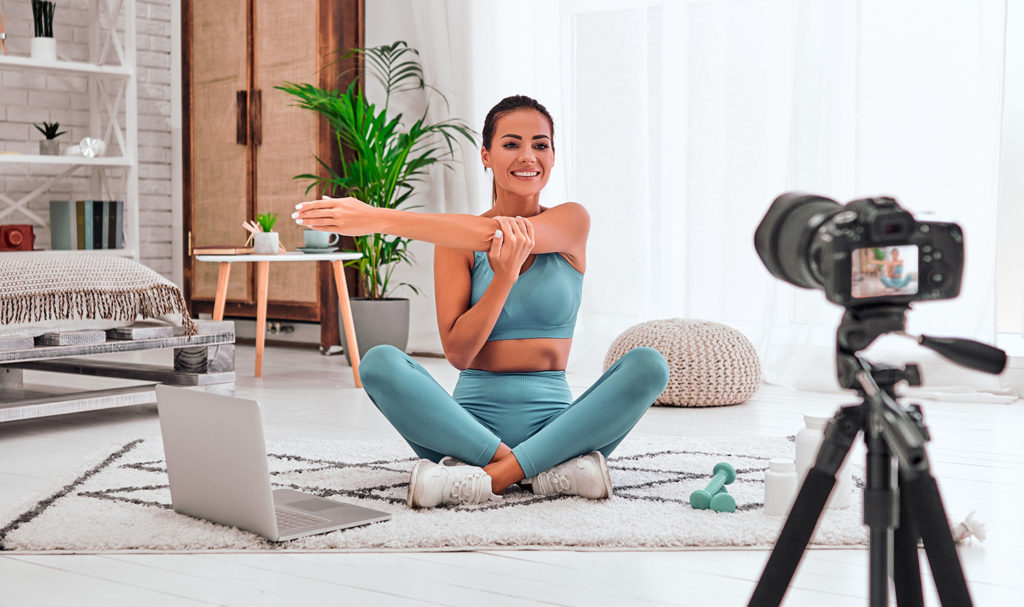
point(49, 146)
point(44, 47)
point(266, 240)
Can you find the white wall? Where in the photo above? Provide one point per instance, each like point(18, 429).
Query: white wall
point(27, 98)
point(1011, 180)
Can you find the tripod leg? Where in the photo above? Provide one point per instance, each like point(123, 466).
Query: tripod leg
point(879, 516)
point(793, 539)
point(807, 509)
point(929, 517)
point(906, 564)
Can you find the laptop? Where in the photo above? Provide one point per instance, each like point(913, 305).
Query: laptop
point(217, 466)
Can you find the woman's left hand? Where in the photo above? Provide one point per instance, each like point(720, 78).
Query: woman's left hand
point(348, 216)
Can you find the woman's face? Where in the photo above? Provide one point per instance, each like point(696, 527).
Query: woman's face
point(521, 155)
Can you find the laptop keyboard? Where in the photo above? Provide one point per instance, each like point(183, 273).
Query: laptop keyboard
point(290, 519)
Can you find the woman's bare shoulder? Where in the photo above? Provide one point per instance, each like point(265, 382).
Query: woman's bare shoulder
point(566, 207)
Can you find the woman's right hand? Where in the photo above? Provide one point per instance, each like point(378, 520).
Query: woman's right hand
point(348, 216)
point(511, 247)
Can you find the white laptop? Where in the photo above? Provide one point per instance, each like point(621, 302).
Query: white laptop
point(217, 466)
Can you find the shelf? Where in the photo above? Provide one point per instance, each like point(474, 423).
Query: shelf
point(120, 252)
point(74, 68)
point(101, 161)
point(111, 72)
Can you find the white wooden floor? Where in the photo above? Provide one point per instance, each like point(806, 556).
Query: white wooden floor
point(976, 454)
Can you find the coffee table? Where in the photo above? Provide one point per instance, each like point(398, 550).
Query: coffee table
point(262, 275)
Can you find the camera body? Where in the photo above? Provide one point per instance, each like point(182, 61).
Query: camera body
point(875, 250)
point(870, 251)
point(17, 237)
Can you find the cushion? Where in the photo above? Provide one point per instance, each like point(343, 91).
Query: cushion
point(52, 293)
point(709, 363)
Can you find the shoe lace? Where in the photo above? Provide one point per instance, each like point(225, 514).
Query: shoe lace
point(465, 489)
point(558, 481)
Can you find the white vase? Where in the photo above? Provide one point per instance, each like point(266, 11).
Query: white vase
point(265, 242)
point(44, 49)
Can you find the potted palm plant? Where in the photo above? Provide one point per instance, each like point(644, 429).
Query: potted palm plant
point(382, 157)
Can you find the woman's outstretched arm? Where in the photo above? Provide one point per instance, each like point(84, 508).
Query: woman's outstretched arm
point(352, 217)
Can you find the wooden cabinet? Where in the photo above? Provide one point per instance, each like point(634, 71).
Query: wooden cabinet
point(245, 140)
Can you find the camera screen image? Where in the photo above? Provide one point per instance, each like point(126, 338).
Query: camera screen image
point(884, 271)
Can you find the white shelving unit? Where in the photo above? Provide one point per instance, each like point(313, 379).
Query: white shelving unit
point(113, 95)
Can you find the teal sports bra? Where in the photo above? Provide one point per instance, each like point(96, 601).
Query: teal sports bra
point(543, 301)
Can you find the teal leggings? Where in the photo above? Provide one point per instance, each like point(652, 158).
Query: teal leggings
point(531, 412)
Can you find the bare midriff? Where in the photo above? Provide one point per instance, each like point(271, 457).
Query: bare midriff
point(523, 355)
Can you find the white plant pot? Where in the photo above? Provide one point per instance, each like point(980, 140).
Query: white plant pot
point(44, 49)
point(265, 242)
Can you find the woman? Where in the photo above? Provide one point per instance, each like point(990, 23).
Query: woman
point(508, 287)
point(893, 276)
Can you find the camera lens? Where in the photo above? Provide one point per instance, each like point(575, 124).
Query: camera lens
point(784, 236)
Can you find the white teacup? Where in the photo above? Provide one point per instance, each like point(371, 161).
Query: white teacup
point(315, 239)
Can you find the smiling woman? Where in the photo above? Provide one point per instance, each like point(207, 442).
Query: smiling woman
point(508, 287)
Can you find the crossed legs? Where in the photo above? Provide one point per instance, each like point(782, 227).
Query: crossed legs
point(435, 425)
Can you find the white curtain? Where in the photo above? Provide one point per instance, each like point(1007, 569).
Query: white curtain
point(678, 122)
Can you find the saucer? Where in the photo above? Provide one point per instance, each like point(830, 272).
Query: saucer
point(317, 249)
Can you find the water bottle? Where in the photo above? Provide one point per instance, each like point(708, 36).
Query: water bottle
point(808, 441)
point(779, 487)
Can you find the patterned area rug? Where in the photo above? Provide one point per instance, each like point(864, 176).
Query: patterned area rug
point(120, 502)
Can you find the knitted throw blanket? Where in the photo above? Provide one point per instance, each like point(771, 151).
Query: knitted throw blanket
point(47, 288)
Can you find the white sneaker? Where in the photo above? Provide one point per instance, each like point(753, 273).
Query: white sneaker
point(432, 484)
point(585, 476)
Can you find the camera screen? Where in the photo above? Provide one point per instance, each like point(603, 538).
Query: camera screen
point(884, 271)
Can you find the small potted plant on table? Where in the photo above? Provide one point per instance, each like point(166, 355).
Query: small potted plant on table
point(267, 240)
point(49, 146)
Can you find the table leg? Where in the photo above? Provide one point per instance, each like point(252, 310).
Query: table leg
point(262, 277)
point(222, 290)
point(346, 318)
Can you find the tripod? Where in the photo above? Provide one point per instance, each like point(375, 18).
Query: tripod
point(898, 509)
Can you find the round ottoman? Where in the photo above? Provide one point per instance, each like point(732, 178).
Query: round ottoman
point(709, 363)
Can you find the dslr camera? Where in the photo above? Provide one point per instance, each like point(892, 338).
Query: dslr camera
point(867, 252)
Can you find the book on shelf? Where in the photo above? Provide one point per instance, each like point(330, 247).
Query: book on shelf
point(63, 229)
point(99, 209)
point(84, 221)
point(116, 224)
point(86, 224)
point(222, 250)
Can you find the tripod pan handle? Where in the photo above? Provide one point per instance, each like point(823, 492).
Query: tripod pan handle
point(972, 354)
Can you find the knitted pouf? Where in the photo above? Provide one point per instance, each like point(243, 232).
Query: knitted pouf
point(709, 363)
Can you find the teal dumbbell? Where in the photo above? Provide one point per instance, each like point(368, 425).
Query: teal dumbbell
point(714, 495)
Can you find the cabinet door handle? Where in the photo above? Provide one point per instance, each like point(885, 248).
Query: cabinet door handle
point(241, 117)
point(256, 108)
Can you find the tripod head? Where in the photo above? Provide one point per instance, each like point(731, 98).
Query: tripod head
point(863, 325)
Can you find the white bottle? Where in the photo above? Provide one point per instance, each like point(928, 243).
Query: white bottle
point(779, 487)
point(808, 441)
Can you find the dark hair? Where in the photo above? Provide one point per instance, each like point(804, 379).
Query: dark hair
point(511, 104)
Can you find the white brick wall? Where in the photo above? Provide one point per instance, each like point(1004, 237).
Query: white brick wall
point(27, 98)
